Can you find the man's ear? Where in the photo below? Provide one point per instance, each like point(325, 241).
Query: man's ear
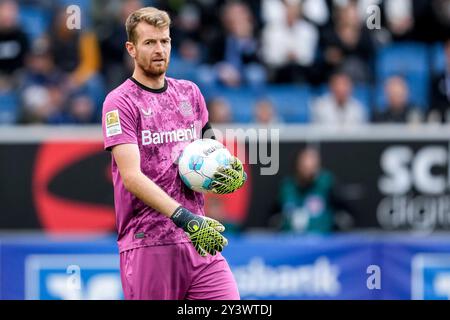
point(131, 49)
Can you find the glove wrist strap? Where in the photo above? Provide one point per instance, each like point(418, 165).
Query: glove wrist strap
point(181, 216)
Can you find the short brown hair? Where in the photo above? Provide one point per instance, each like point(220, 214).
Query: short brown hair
point(152, 16)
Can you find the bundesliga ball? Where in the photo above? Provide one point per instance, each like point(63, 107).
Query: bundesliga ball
point(199, 161)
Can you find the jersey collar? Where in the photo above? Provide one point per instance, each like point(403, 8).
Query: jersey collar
point(160, 90)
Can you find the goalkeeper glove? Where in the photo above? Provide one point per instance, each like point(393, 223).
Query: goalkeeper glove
point(204, 232)
point(229, 179)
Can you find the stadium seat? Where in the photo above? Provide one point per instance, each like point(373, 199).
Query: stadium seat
point(34, 20)
point(437, 58)
point(410, 60)
point(363, 93)
point(8, 108)
point(242, 101)
point(291, 102)
point(182, 69)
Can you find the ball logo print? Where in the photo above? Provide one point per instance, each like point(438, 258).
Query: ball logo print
point(199, 161)
point(223, 159)
point(196, 162)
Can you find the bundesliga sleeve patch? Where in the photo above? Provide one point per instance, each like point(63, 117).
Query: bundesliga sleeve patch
point(113, 123)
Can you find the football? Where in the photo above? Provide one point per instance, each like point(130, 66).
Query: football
point(198, 162)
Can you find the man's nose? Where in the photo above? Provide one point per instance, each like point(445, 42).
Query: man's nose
point(158, 47)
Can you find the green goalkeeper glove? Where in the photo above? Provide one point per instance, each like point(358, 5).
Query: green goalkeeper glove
point(229, 179)
point(204, 232)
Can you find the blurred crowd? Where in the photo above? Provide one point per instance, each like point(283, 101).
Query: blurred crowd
point(310, 199)
point(353, 61)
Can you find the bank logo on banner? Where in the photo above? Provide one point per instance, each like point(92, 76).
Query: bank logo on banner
point(261, 280)
point(72, 277)
point(430, 277)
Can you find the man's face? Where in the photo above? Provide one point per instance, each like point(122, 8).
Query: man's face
point(341, 87)
point(152, 49)
point(308, 165)
point(397, 93)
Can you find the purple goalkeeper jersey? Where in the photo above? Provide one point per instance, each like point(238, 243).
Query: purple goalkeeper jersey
point(161, 123)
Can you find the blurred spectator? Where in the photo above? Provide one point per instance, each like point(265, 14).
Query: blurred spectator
point(13, 40)
point(289, 42)
point(77, 53)
point(41, 104)
point(440, 89)
point(400, 18)
point(315, 11)
point(79, 109)
point(188, 49)
point(398, 109)
point(338, 107)
point(82, 109)
point(280, 40)
point(264, 112)
point(219, 111)
point(112, 37)
point(40, 66)
point(43, 79)
point(441, 10)
point(234, 53)
point(185, 33)
point(431, 15)
point(309, 201)
point(347, 45)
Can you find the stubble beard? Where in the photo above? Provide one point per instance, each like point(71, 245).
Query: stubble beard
point(153, 72)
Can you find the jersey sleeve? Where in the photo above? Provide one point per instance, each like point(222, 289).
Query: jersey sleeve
point(119, 123)
point(202, 109)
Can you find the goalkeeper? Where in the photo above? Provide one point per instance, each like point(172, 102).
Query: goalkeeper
point(168, 248)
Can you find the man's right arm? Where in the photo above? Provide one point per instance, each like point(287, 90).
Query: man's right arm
point(128, 161)
point(204, 232)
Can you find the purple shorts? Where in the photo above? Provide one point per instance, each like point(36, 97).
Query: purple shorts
point(175, 272)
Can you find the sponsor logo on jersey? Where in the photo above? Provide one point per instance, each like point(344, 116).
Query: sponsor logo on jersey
point(177, 135)
point(147, 112)
point(112, 123)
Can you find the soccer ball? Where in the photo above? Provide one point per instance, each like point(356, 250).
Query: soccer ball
point(199, 161)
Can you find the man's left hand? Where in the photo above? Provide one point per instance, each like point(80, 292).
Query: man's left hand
point(229, 179)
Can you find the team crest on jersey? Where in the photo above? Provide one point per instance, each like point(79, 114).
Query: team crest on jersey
point(112, 123)
point(186, 108)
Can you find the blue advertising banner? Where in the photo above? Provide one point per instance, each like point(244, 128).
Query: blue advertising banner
point(289, 267)
point(42, 267)
point(416, 267)
point(350, 266)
